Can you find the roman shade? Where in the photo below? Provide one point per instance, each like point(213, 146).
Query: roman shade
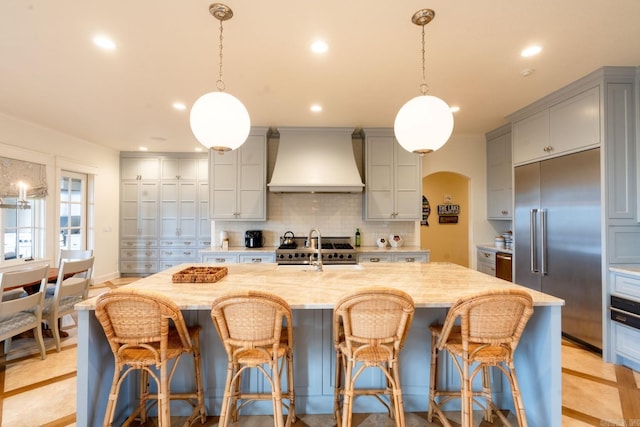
point(13, 171)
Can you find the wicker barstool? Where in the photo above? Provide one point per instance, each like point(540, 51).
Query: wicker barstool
point(369, 328)
point(491, 324)
point(256, 329)
point(137, 326)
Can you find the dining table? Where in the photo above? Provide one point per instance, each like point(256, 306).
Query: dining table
point(32, 288)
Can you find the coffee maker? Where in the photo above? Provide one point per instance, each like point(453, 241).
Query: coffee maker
point(253, 238)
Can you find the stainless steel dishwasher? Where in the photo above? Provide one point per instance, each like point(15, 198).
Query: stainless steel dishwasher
point(504, 266)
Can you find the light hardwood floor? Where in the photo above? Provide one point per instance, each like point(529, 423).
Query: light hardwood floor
point(42, 393)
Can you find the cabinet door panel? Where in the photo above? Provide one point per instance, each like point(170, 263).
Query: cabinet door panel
point(530, 137)
point(575, 123)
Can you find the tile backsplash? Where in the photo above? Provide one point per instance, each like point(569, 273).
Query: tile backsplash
point(336, 214)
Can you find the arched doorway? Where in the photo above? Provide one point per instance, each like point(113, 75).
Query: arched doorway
point(447, 241)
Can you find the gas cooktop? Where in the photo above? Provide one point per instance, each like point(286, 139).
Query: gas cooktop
point(334, 250)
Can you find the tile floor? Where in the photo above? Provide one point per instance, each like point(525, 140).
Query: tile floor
point(34, 392)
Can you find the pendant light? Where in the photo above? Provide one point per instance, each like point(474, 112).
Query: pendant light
point(219, 121)
point(424, 123)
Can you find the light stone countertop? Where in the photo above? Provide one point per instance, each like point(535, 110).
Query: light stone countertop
point(633, 270)
point(239, 249)
point(493, 248)
point(389, 249)
point(431, 285)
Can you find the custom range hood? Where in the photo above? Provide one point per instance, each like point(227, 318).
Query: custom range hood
point(315, 160)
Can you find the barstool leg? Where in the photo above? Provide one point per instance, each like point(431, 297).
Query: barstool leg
point(432, 377)
point(517, 396)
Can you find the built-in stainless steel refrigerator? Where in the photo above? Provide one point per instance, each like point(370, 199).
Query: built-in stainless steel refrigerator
point(557, 238)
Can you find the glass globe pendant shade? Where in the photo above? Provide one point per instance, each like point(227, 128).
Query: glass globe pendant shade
point(423, 124)
point(220, 121)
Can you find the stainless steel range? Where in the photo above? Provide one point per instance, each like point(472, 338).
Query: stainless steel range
point(335, 250)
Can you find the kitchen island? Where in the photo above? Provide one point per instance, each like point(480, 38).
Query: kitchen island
point(312, 295)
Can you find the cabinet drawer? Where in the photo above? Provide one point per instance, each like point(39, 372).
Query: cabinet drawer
point(138, 243)
point(628, 286)
point(410, 258)
point(256, 259)
point(138, 267)
point(179, 253)
point(219, 258)
point(374, 258)
point(627, 341)
point(143, 254)
point(178, 243)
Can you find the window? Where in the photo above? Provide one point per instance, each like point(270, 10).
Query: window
point(21, 235)
point(73, 211)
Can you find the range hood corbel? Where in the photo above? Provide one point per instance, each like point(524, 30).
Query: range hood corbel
point(315, 160)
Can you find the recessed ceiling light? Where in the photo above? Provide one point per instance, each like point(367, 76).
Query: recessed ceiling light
point(319, 46)
point(143, 148)
point(531, 51)
point(104, 42)
point(316, 108)
point(454, 109)
point(198, 149)
point(179, 106)
point(527, 72)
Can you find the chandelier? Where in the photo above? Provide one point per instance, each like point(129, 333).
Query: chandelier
point(424, 123)
point(219, 121)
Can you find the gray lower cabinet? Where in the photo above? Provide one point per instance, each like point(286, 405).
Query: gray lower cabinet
point(164, 210)
point(623, 330)
point(487, 262)
point(235, 257)
point(422, 256)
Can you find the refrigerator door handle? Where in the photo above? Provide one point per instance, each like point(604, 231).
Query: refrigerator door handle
point(532, 241)
point(543, 241)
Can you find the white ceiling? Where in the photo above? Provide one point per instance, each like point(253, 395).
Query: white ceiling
point(53, 75)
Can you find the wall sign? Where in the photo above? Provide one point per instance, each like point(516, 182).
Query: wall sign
point(448, 209)
point(448, 213)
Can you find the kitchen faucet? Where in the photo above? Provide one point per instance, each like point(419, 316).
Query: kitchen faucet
point(317, 263)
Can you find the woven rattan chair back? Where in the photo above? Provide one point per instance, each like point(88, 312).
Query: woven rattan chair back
point(370, 327)
point(482, 329)
point(18, 315)
point(146, 330)
point(256, 329)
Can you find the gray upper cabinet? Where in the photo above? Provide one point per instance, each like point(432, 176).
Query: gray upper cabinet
point(393, 179)
point(499, 174)
point(238, 181)
point(564, 127)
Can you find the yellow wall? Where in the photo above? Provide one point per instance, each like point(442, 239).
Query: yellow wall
point(447, 242)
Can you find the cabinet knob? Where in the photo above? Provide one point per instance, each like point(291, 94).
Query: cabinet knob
point(410, 259)
point(374, 259)
point(256, 259)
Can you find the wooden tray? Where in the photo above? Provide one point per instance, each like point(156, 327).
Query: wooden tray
point(199, 275)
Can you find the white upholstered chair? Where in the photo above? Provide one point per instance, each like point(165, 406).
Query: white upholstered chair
point(72, 286)
point(18, 315)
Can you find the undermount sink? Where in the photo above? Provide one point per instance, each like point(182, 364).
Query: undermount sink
point(311, 268)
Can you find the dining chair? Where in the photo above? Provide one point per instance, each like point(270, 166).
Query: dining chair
point(72, 286)
point(256, 330)
point(73, 255)
point(147, 332)
point(370, 326)
point(480, 331)
point(18, 315)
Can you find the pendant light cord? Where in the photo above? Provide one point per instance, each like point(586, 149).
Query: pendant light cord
point(424, 87)
point(220, 83)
